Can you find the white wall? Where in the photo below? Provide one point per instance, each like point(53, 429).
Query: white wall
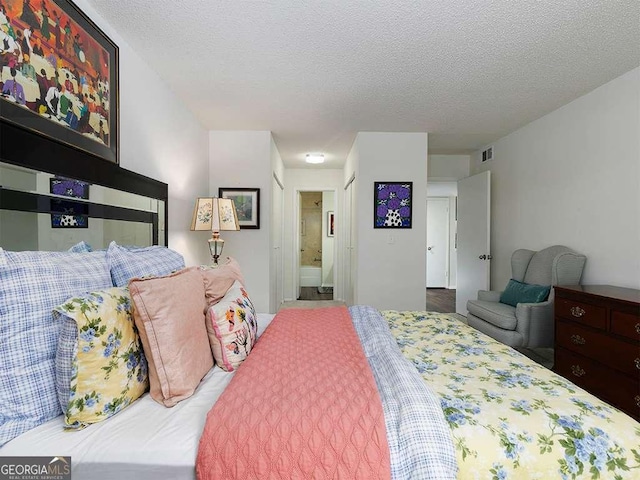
point(328, 243)
point(449, 167)
point(244, 159)
point(296, 179)
point(572, 177)
point(442, 189)
point(160, 138)
point(391, 275)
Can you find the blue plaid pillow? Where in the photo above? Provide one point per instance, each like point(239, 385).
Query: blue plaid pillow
point(81, 247)
point(126, 263)
point(32, 284)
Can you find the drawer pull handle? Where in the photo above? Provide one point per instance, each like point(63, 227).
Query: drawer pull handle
point(637, 399)
point(577, 312)
point(577, 371)
point(637, 362)
point(638, 328)
point(578, 340)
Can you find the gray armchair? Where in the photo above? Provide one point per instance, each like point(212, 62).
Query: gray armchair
point(527, 324)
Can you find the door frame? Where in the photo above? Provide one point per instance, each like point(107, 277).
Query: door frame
point(278, 295)
point(296, 237)
point(447, 280)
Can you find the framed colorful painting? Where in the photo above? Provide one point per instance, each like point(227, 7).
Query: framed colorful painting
point(59, 75)
point(392, 204)
point(247, 202)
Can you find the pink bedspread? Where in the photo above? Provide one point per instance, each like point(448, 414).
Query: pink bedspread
point(304, 405)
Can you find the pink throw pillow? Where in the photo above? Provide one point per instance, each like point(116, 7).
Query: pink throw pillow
point(232, 328)
point(169, 314)
point(218, 280)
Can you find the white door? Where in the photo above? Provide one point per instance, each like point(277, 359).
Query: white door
point(473, 242)
point(437, 242)
point(277, 287)
point(348, 248)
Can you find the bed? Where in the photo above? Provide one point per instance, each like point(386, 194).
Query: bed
point(509, 416)
point(144, 441)
point(455, 403)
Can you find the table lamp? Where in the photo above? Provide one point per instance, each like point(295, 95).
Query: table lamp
point(215, 214)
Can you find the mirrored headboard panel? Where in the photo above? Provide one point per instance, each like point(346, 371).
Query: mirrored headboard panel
point(53, 196)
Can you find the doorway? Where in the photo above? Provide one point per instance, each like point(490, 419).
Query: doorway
point(473, 238)
point(437, 242)
point(317, 242)
point(441, 251)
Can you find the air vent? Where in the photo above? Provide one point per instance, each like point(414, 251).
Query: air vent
point(487, 154)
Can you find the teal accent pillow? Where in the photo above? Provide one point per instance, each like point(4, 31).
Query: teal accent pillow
point(518, 292)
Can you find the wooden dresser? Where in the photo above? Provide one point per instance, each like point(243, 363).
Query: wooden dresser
point(597, 342)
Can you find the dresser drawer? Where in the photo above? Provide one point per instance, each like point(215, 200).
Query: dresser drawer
point(613, 387)
point(615, 353)
point(585, 313)
point(625, 324)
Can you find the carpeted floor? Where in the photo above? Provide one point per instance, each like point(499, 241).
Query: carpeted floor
point(543, 356)
point(311, 304)
point(316, 293)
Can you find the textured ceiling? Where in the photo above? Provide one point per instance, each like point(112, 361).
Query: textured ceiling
point(317, 72)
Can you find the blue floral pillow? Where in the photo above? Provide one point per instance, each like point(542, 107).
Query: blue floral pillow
point(126, 263)
point(100, 365)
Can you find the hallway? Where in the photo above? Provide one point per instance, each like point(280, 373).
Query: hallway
point(441, 300)
point(313, 293)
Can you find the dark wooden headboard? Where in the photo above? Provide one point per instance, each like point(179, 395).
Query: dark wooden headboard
point(29, 150)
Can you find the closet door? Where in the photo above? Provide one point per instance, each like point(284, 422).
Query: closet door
point(276, 287)
point(349, 244)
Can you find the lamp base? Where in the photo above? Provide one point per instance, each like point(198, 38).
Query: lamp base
point(216, 244)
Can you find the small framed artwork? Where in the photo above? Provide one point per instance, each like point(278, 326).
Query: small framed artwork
point(67, 213)
point(330, 224)
point(247, 203)
point(392, 204)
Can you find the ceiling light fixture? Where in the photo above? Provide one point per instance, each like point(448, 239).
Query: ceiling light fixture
point(315, 158)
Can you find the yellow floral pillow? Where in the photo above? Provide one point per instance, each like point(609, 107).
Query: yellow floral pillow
point(100, 365)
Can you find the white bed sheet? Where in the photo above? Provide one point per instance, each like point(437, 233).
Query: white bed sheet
point(144, 441)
